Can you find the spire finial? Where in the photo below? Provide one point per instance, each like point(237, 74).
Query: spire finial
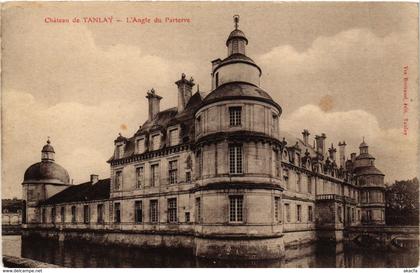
point(236, 20)
point(198, 88)
point(48, 140)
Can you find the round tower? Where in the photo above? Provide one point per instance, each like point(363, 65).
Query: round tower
point(371, 182)
point(238, 193)
point(41, 181)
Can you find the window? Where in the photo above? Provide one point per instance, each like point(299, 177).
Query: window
point(340, 218)
point(139, 177)
point(235, 159)
point(188, 176)
point(274, 124)
point(154, 178)
point(277, 208)
point(310, 214)
point(100, 213)
point(235, 116)
point(63, 214)
point(43, 216)
point(155, 142)
point(53, 215)
point(198, 125)
point(353, 216)
point(198, 209)
point(117, 213)
point(287, 209)
point(173, 172)
point(140, 146)
point(173, 137)
point(369, 215)
point(200, 163)
point(235, 209)
point(298, 182)
point(172, 211)
point(309, 184)
point(358, 215)
point(277, 163)
point(118, 180)
point(154, 211)
point(187, 217)
point(217, 79)
point(86, 214)
point(120, 151)
point(286, 177)
point(138, 211)
point(298, 213)
point(73, 214)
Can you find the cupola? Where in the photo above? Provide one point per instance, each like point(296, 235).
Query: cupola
point(47, 152)
point(236, 67)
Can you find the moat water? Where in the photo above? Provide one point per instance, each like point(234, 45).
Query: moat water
point(71, 254)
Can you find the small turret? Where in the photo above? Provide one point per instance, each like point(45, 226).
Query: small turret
point(47, 152)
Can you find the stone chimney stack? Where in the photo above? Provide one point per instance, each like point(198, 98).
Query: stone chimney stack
point(154, 103)
point(342, 153)
point(320, 143)
point(306, 134)
point(184, 91)
point(94, 178)
point(332, 151)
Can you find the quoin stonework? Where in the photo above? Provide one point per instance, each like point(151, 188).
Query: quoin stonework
point(215, 174)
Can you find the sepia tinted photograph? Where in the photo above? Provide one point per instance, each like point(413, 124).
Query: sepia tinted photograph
point(209, 134)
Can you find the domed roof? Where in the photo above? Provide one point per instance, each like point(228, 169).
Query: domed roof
point(239, 90)
point(364, 156)
point(367, 170)
point(236, 33)
point(363, 144)
point(235, 58)
point(48, 148)
point(46, 172)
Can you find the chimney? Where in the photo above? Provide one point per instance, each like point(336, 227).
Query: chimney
point(306, 134)
point(332, 151)
point(94, 178)
point(342, 153)
point(353, 157)
point(320, 143)
point(154, 103)
point(184, 91)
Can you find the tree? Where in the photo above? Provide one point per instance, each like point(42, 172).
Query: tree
point(402, 203)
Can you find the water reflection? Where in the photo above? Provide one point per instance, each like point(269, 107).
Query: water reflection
point(77, 254)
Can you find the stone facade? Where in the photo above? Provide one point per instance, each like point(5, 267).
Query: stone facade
point(215, 174)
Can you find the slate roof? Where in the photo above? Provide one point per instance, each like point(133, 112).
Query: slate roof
point(239, 90)
point(81, 192)
point(368, 170)
point(12, 205)
point(165, 119)
point(236, 33)
point(46, 170)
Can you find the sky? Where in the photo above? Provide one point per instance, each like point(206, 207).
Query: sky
point(335, 68)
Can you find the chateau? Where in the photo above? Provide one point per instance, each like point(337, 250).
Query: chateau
point(215, 174)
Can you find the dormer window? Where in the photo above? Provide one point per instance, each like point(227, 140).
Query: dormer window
point(235, 114)
point(155, 142)
point(119, 151)
point(140, 145)
point(173, 137)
